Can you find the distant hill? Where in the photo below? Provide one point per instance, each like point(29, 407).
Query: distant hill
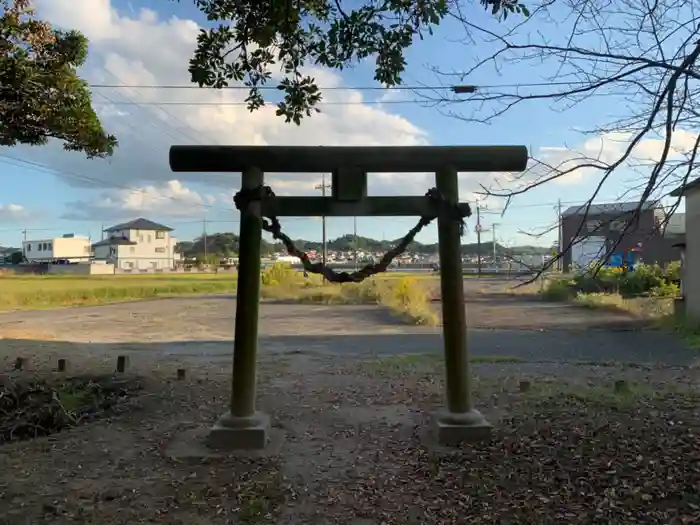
point(226, 244)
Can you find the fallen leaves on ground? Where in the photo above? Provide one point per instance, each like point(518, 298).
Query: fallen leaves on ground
point(356, 452)
point(562, 460)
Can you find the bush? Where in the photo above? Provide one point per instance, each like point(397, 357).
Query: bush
point(279, 274)
point(646, 280)
point(407, 297)
point(665, 289)
point(642, 280)
point(283, 275)
point(558, 290)
point(673, 271)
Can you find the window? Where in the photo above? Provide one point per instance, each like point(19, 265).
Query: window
point(140, 237)
point(160, 235)
point(29, 247)
point(592, 226)
point(160, 250)
point(132, 249)
point(618, 225)
point(49, 246)
point(150, 238)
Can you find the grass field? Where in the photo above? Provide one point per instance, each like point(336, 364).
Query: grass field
point(35, 291)
point(408, 297)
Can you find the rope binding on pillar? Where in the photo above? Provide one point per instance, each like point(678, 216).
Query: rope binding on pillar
point(272, 225)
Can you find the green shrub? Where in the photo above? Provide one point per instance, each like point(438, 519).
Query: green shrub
point(665, 289)
point(673, 271)
point(645, 280)
point(642, 280)
point(559, 290)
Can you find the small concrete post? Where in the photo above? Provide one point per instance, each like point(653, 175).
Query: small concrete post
point(122, 363)
point(460, 422)
point(243, 427)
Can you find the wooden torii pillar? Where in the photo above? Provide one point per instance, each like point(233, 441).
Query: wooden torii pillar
point(243, 427)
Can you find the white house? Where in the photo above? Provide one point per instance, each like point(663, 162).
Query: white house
point(68, 247)
point(138, 245)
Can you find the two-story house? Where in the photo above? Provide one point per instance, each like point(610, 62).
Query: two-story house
point(137, 245)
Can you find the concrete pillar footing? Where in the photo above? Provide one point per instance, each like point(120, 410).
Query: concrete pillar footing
point(452, 428)
point(231, 432)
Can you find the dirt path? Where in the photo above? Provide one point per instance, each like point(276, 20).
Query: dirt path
point(201, 328)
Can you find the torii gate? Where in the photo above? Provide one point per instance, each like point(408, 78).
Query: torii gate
point(242, 427)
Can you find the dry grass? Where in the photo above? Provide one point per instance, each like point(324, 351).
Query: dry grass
point(652, 308)
point(407, 297)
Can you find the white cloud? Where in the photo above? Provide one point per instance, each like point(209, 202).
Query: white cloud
point(607, 149)
point(171, 199)
point(129, 48)
point(9, 212)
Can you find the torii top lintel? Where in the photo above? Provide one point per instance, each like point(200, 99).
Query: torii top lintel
point(324, 159)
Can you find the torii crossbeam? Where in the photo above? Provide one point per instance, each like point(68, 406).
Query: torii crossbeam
point(242, 427)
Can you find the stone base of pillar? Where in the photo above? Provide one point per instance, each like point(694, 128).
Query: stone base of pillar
point(679, 308)
point(451, 428)
point(231, 433)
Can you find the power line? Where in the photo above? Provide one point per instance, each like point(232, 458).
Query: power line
point(341, 88)
point(41, 167)
point(420, 102)
point(339, 103)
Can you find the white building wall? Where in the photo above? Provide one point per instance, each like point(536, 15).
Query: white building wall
point(75, 249)
point(153, 250)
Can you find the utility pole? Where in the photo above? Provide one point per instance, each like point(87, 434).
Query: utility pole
point(323, 187)
point(493, 233)
point(204, 237)
point(102, 231)
point(354, 254)
point(560, 241)
point(478, 238)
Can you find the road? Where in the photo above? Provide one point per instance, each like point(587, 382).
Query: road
point(201, 329)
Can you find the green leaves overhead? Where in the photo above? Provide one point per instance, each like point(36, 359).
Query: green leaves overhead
point(41, 96)
point(256, 39)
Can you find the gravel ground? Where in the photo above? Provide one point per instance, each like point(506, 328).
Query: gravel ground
point(352, 404)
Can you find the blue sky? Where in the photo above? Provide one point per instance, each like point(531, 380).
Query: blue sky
point(60, 192)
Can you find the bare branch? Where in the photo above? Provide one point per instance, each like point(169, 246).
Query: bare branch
point(643, 54)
